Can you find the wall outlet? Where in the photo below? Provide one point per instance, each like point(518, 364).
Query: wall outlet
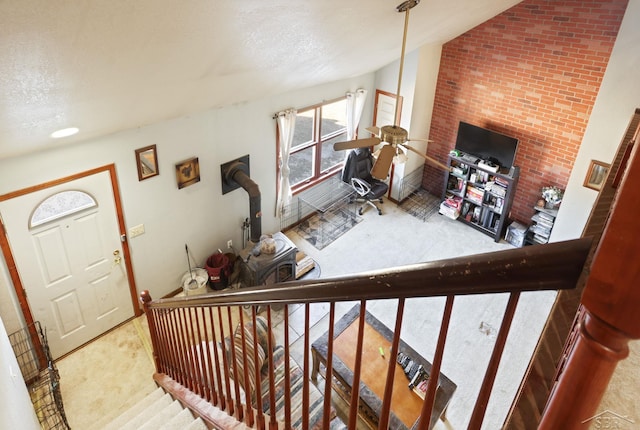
point(229, 243)
point(136, 230)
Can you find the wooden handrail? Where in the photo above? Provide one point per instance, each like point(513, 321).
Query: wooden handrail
point(554, 266)
point(611, 300)
point(181, 342)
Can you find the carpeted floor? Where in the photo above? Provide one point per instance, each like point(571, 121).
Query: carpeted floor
point(103, 379)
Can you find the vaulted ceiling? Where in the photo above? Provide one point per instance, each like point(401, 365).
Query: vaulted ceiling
point(107, 66)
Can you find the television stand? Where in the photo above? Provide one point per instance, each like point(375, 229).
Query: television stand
point(478, 195)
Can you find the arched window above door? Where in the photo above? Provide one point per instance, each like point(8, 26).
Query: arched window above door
point(60, 205)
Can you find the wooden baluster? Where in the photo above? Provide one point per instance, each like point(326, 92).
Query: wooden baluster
point(492, 368)
point(145, 299)
point(178, 370)
point(227, 366)
point(159, 347)
point(432, 385)
point(179, 337)
point(199, 349)
point(305, 370)
point(260, 422)
point(287, 370)
point(192, 344)
point(245, 365)
point(216, 361)
point(164, 357)
point(171, 343)
point(248, 394)
point(355, 384)
point(383, 422)
point(273, 423)
point(328, 370)
point(234, 365)
point(188, 364)
point(206, 360)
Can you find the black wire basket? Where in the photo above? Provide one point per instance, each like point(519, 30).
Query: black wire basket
point(40, 374)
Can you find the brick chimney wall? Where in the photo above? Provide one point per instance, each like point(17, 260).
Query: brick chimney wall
point(532, 72)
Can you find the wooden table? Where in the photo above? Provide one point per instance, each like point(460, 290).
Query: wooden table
point(405, 404)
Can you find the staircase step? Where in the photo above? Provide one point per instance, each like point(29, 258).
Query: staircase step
point(156, 419)
point(180, 421)
point(134, 410)
point(143, 415)
point(197, 424)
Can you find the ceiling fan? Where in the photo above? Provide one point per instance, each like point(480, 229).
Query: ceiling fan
point(393, 136)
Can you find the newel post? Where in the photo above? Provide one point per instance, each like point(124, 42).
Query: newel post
point(145, 299)
point(611, 298)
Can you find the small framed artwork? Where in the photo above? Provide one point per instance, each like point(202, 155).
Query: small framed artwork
point(188, 172)
point(596, 175)
point(147, 162)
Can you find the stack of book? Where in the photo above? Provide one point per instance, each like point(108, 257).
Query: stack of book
point(542, 227)
point(450, 207)
point(497, 187)
point(475, 194)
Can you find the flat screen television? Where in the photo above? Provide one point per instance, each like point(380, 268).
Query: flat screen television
point(486, 144)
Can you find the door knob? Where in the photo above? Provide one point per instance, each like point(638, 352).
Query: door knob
point(116, 257)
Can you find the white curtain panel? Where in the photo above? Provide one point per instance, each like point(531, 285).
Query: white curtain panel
point(286, 126)
point(355, 106)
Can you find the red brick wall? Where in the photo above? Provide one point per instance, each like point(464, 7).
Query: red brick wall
point(533, 73)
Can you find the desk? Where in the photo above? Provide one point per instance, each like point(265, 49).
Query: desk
point(405, 405)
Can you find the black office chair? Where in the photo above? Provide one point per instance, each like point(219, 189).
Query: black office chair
point(357, 173)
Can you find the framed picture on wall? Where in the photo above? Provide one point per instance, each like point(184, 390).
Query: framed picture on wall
point(596, 175)
point(188, 172)
point(147, 162)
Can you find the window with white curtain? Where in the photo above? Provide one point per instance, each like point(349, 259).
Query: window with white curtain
point(312, 156)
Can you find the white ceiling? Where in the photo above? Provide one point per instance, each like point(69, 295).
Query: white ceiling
point(106, 66)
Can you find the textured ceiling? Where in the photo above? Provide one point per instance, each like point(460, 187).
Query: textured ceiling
point(106, 66)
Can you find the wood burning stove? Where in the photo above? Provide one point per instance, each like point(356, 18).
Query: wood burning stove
point(266, 269)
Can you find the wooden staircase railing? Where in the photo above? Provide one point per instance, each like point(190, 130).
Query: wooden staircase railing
point(184, 331)
point(610, 303)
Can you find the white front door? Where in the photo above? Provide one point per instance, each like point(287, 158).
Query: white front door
point(70, 262)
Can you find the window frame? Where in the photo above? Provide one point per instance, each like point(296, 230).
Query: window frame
point(316, 142)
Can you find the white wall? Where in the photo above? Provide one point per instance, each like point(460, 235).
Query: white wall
point(198, 215)
point(16, 409)
point(387, 80)
point(615, 104)
point(420, 76)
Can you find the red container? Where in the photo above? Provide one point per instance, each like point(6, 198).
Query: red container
point(218, 269)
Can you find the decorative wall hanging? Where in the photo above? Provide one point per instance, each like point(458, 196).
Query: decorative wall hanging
point(188, 172)
point(596, 175)
point(147, 162)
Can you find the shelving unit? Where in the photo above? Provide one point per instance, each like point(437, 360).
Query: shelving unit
point(541, 225)
point(479, 197)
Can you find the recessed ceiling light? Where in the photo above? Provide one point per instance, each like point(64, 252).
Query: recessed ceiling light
point(65, 132)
